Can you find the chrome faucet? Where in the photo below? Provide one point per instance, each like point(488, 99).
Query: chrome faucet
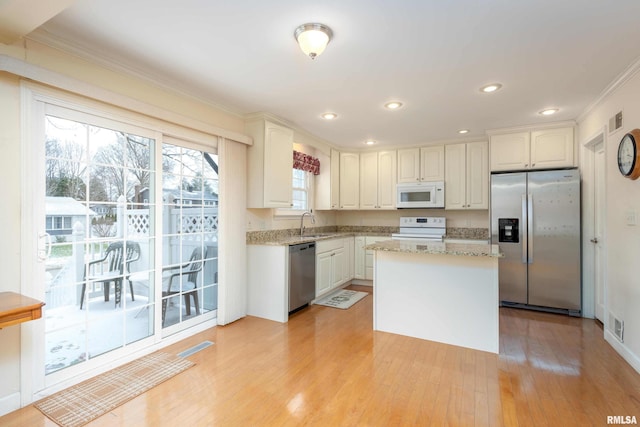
point(313, 221)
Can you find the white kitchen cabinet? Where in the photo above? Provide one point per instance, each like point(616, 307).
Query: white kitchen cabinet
point(378, 180)
point(467, 176)
point(542, 149)
point(349, 258)
point(349, 181)
point(421, 164)
point(330, 265)
point(369, 255)
point(269, 165)
point(327, 183)
point(552, 148)
point(358, 255)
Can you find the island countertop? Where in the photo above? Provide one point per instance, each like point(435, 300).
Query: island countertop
point(437, 248)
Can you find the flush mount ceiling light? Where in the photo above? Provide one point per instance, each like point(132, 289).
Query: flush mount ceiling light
point(329, 116)
point(548, 111)
point(463, 131)
point(490, 88)
point(393, 105)
point(313, 38)
point(369, 142)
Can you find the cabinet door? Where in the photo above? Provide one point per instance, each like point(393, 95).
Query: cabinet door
point(552, 148)
point(359, 257)
point(349, 181)
point(510, 152)
point(368, 180)
point(387, 180)
point(432, 163)
point(349, 258)
point(337, 267)
point(324, 272)
point(335, 179)
point(455, 176)
point(477, 175)
point(278, 166)
point(369, 255)
point(409, 165)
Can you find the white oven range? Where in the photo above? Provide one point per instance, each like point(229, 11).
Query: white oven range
point(421, 228)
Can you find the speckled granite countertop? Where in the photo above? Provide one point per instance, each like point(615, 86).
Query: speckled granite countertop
point(438, 248)
point(292, 236)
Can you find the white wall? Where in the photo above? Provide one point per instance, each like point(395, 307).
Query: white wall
point(622, 195)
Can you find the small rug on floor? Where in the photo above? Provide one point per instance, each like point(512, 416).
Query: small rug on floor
point(342, 299)
point(84, 402)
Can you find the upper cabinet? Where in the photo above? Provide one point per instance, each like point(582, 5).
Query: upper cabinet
point(378, 180)
point(542, 149)
point(467, 176)
point(421, 164)
point(327, 184)
point(349, 181)
point(269, 165)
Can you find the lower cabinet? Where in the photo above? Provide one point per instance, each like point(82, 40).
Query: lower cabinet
point(331, 265)
point(363, 259)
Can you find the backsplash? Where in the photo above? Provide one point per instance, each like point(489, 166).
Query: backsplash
point(258, 237)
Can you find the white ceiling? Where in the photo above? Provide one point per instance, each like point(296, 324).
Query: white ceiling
point(432, 55)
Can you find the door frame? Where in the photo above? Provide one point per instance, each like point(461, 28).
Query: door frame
point(33, 97)
point(588, 148)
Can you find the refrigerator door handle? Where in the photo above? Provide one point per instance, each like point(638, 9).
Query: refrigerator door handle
point(530, 228)
point(523, 235)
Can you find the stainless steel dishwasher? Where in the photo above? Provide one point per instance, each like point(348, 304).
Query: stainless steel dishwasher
point(302, 275)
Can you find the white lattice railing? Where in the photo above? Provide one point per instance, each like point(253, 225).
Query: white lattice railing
point(185, 221)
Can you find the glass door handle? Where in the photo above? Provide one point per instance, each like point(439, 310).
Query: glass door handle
point(594, 240)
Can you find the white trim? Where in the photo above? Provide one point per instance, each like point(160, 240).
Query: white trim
point(588, 209)
point(619, 81)
point(9, 403)
point(529, 128)
point(51, 78)
point(622, 350)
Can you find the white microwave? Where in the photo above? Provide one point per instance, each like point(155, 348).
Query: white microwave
point(420, 195)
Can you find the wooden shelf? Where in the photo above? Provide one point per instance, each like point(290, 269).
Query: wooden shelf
point(16, 308)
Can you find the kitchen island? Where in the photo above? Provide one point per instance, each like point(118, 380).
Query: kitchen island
point(444, 292)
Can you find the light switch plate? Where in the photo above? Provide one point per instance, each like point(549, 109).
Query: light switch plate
point(631, 217)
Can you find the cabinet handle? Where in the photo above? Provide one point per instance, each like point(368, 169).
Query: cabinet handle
point(526, 165)
point(333, 254)
point(533, 165)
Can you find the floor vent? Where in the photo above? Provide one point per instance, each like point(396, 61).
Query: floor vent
point(196, 348)
point(616, 326)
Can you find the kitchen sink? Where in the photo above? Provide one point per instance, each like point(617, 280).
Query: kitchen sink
point(317, 236)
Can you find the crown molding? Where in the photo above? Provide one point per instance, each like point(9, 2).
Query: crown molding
point(532, 127)
point(117, 65)
point(618, 82)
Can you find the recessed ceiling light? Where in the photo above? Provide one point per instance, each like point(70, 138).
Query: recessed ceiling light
point(329, 116)
point(490, 88)
point(463, 131)
point(370, 142)
point(393, 105)
point(549, 111)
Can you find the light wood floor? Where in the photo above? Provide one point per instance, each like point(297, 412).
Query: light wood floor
point(326, 367)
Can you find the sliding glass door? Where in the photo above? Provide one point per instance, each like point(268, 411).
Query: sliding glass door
point(126, 219)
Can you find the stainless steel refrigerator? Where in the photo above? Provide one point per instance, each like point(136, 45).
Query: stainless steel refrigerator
point(535, 219)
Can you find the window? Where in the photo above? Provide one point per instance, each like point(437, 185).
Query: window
point(300, 197)
point(302, 194)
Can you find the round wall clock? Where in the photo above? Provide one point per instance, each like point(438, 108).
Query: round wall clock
point(629, 155)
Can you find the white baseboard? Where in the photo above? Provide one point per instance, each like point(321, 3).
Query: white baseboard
point(623, 350)
point(9, 403)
